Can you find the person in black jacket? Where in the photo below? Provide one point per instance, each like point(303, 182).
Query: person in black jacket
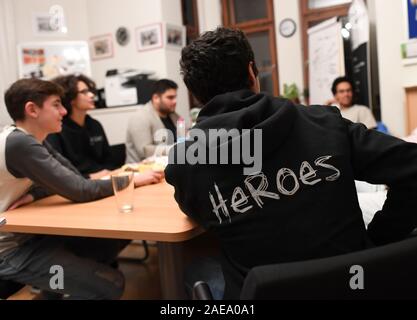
point(82, 139)
point(296, 199)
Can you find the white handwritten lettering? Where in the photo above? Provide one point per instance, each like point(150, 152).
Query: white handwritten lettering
point(288, 184)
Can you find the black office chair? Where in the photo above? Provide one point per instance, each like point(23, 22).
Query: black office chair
point(389, 272)
point(201, 291)
point(118, 154)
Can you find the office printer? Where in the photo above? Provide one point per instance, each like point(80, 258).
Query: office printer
point(127, 87)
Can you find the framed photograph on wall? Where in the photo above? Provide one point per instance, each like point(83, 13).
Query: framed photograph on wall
point(175, 36)
point(149, 37)
point(50, 23)
point(46, 25)
point(101, 47)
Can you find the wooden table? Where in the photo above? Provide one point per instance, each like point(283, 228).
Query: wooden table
point(156, 217)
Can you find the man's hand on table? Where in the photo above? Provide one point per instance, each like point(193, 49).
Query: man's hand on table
point(27, 198)
point(140, 179)
point(148, 177)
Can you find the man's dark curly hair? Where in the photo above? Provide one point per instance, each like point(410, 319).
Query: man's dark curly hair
point(217, 63)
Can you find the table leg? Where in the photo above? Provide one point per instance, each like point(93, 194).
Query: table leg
point(171, 268)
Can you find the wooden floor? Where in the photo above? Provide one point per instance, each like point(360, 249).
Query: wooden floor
point(142, 279)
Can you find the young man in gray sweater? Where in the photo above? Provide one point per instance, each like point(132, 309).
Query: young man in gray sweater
point(30, 170)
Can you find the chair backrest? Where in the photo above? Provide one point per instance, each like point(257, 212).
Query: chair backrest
point(118, 153)
point(389, 272)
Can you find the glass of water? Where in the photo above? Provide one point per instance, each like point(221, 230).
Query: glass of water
point(123, 186)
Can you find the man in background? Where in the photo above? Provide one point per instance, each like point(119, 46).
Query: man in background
point(342, 89)
point(156, 115)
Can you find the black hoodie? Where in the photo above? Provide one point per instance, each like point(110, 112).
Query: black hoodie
point(86, 147)
point(303, 204)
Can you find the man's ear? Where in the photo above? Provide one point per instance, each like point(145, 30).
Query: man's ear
point(31, 110)
point(156, 98)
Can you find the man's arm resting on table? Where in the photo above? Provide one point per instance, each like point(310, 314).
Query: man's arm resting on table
point(26, 158)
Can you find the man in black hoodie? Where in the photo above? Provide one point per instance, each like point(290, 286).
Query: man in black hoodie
point(301, 202)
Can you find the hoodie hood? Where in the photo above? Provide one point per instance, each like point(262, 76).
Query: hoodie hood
point(246, 110)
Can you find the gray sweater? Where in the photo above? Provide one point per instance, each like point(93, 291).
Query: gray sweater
point(28, 166)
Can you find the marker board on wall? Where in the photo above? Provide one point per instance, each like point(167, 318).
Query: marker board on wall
point(326, 59)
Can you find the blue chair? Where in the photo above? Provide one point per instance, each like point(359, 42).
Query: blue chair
point(381, 127)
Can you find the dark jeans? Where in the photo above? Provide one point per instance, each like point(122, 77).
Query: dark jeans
point(84, 261)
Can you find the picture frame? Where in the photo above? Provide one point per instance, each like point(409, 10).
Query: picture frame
point(47, 60)
point(43, 24)
point(101, 47)
point(175, 36)
point(149, 37)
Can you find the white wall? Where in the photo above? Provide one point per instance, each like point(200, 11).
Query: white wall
point(22, 17)
point(209, 14)
point(75, 16)
point(289, 50)
point(106, 16)
point(8, 61)
point(394, 76)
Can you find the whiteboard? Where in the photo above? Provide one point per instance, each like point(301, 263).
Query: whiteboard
point(47, 60)
point(326, 59)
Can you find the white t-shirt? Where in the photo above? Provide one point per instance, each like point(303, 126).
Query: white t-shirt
point(359, 114)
